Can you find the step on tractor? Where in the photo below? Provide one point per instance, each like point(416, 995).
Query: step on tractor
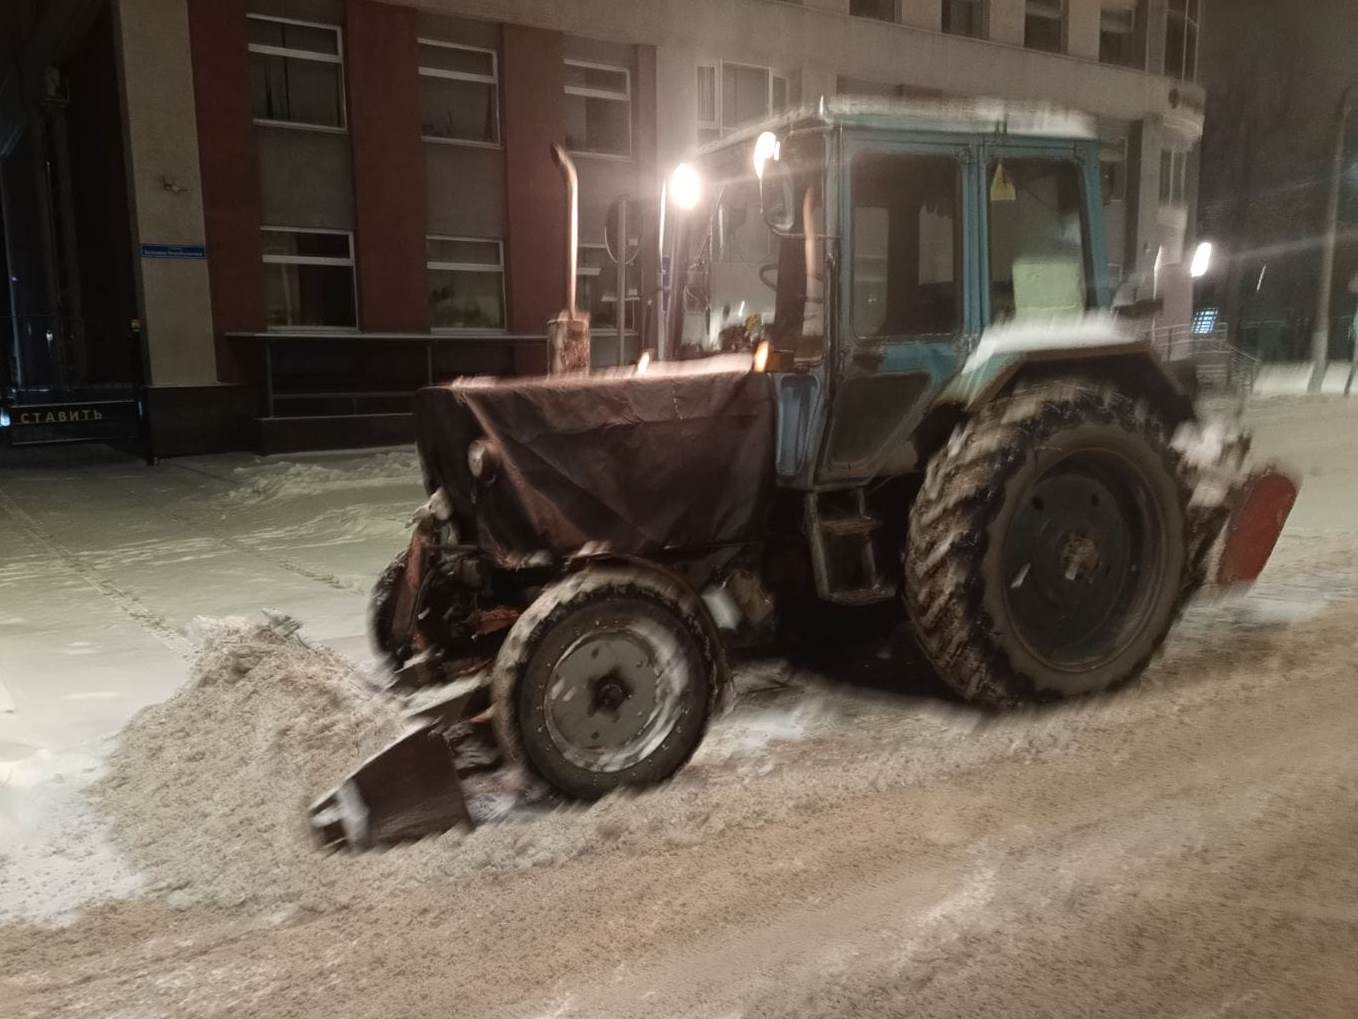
point(888, 378)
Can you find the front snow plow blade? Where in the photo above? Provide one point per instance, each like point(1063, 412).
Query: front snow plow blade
point(406, 791)
point(1261, 507)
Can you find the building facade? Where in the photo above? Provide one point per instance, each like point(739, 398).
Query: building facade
point(315, 205)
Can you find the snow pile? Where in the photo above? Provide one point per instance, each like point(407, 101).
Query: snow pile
point(210, 788)
point(286, 479)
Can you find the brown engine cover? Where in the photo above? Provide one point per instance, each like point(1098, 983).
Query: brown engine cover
point(679, 457)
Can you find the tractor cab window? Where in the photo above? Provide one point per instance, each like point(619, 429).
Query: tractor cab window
point(1039, 247)
point(907, 245)
point(743, 281)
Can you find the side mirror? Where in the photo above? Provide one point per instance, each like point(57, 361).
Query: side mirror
point(778, 199)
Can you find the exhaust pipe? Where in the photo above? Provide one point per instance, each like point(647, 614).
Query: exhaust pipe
point(568, 332)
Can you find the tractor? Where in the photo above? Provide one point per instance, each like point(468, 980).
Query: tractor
point(888, 378)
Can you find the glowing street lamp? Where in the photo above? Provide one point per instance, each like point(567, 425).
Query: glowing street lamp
point(1202, 260)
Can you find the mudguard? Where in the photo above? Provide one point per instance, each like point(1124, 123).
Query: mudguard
point(1094, 344)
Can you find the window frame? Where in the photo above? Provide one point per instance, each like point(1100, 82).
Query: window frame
point(1191, 8)
point(1091, 233)
point(610, 95)
point(597, 271)
point(982, 12)
point(351, 262)
point(1135, 34)
point(963, 253)
point(1062, 19)
point(434, 265)
point(1173, 192)
point(493, 80)
point(287, 53)
point(719, 126)
point(894, 19)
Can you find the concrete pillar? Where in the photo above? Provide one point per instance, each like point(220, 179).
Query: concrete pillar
point(534, 117)
point(381, 64)
point(158, 77)
point(230, 183)
point(1082, 28)
point(1005, 21)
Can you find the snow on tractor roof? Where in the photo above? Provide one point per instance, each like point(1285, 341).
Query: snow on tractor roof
point(951, 116)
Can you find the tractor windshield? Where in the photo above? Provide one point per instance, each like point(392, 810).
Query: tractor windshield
point(740, 281)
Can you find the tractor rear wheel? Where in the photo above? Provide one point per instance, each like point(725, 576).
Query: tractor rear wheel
point(607, 680)
point(1047, 554)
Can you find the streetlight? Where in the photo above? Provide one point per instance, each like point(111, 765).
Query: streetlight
point(1202, 260)
point(1320, 328)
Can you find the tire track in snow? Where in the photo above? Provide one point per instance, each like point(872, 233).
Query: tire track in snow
point(124, 601)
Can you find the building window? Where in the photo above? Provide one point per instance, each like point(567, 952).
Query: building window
point(1181, 39)
point(1044, 24)
point(1113, 171)
point(1173, 178)
point(732, 95)
point(459, 93)
point(882, 10)
point(466, 283)
point(309, 278)
point(296, 72)
point(1119, 41)
point(964, 17)
point(598, 109)
point(596, 285)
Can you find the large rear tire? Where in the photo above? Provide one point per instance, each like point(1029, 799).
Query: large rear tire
point(1048, 554)
point(607, 680)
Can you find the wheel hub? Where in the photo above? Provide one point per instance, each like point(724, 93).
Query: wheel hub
point(610, 699)
point(1072, 556)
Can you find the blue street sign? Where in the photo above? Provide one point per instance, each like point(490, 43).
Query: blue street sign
point(173, 251)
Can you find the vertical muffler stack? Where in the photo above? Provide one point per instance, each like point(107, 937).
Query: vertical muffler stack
point(568, 332)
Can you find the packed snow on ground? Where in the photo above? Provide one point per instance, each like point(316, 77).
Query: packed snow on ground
point(847, 840)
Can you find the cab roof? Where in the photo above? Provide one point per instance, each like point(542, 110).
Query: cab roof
point(944, 116)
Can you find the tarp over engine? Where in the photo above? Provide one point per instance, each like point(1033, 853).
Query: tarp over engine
point(681, 456)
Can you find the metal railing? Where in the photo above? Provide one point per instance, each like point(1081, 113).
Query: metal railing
point(1218, 365)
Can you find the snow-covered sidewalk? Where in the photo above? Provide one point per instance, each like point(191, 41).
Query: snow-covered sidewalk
point(105, 563)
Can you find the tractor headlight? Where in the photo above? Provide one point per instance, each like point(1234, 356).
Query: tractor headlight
point(481, 460)
point(686, 187)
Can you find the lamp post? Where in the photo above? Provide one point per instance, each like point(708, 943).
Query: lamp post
point(1320, 328)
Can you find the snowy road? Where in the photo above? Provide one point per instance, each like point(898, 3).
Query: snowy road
point(842, 845)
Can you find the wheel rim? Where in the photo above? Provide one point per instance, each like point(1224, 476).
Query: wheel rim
point(615, 694)
point(1081, 561)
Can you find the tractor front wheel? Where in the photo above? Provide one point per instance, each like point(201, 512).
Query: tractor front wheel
point(1047, 548)
point(607, 680)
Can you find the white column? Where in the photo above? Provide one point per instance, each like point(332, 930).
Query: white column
point(167, 192)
